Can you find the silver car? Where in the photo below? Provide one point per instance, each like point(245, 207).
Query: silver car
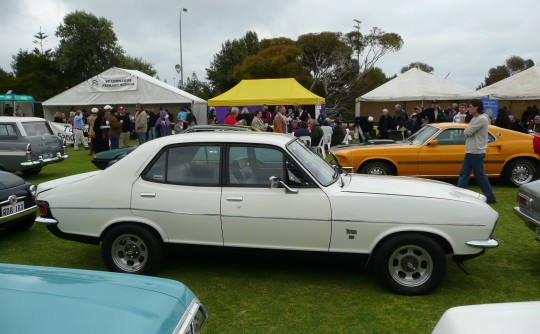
point(528, 208)
point(27, 144)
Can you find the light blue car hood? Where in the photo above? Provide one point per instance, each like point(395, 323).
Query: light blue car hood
point(57, 300)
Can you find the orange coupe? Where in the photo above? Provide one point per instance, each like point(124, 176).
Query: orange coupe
point(437, 151)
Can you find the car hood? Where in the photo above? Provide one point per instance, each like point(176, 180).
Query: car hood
point(81, 301)
point(65, 180)
point(10, 180)
point(408, 186)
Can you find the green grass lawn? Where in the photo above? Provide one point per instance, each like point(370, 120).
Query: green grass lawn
point(307, 294)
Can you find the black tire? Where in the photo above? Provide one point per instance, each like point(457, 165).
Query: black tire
point(519, 172)
point(23, 225)
point(33, 171)
point(410, 264)
point(377, 168)
point(131, 249)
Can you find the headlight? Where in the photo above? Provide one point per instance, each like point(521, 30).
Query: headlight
point(33, 191)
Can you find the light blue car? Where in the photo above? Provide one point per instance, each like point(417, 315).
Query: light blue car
point(57, 300)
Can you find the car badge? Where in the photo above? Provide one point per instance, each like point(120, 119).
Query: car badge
point(12, 199)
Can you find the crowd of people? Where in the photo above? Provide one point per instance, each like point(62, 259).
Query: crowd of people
point(110, 128)
point(294, 120)
point(457, 112)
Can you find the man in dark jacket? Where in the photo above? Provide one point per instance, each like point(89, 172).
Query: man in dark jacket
point(431, 115)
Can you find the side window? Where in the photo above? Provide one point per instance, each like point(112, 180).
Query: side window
point(7, 131)
point(253, 166)
point(188, 165)
point(451, 137)
point(491, 139)
point(296, 177)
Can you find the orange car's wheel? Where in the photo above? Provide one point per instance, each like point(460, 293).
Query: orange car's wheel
point(377, 168)
point(519, 171)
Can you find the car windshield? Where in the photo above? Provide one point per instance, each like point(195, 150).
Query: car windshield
point(423, 135)
point(319, 168)
point(36, 128)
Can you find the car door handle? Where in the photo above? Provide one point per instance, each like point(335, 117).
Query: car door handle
point(148, 195)
point(235, 199)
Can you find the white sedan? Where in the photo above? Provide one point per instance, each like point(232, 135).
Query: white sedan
point(269, 191)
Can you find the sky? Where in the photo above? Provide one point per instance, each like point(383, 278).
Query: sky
point(460, 39)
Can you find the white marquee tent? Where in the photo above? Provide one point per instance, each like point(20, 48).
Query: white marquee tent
point(415, 86)
point(117, 86)
point(522, 86)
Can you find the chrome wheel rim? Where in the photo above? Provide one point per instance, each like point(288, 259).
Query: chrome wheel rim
point(522, 174)
point(410, 265)
point(129, 252)
point(377, 171)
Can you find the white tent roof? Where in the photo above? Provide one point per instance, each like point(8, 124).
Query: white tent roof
point(149, 91)
point(522, 86)
point(417, 85)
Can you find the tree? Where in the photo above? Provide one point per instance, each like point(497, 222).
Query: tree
point(421, 66)
point(133, 63)
point(328, 59)
point(512, 65)
point(40, 40)
point(36, 74)
point(199, 88)
point(220, 73)
point(88, 46)
point(276, 61)
point(372, 47)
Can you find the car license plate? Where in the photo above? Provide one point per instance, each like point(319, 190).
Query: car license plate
point(538, 233)
point(17, 207)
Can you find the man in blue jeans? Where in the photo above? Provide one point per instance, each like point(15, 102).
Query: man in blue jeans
point(475, 150)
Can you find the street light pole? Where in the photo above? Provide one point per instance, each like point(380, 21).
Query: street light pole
point(357, 26)
point(181, 63)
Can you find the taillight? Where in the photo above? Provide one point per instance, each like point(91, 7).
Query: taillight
point(64, 143)
point(524, 201)
point(28, 148)
point(42, 210)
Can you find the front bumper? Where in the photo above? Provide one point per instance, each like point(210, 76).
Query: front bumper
point(527, 217)
point(44, 161)
point(484, 244)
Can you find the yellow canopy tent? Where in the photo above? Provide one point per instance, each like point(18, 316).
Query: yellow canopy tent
point(266, 91)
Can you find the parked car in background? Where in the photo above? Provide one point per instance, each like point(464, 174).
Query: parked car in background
point(104, 159)
point(267, 191)
point(528, 208)
point(438, 150)
point(17, 206)
point(497, 318)
point(28, 143)
point(57, 300)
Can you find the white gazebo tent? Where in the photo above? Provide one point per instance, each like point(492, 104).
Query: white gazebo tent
point(415, 87)
point(118, 86)
point(524, 85)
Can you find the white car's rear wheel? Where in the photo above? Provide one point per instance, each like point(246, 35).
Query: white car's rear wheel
point(410, 264)
point(131, 249)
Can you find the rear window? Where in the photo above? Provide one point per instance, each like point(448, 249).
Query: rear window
point(36, 128)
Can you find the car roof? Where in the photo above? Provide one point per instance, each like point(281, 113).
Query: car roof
point(21, 119)
point(225, 136)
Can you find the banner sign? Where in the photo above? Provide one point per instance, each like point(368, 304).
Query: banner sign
point(491, 106)
point(65, 131)
point(113, 83)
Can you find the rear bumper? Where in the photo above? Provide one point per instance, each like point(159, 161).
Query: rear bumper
point(531, 222)
point(44, 161)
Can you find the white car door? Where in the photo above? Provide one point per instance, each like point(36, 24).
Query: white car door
point(253, 215)
point(180, 192)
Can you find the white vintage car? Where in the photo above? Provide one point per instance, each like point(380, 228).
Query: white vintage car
point(269, 191)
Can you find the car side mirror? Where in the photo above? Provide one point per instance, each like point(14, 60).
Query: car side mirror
point(275, 182)
point(433, 143)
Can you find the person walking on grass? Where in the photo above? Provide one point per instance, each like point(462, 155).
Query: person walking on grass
point(475, 150)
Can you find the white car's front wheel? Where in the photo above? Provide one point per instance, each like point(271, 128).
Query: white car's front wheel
point(410, 264)
point(131, 249)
